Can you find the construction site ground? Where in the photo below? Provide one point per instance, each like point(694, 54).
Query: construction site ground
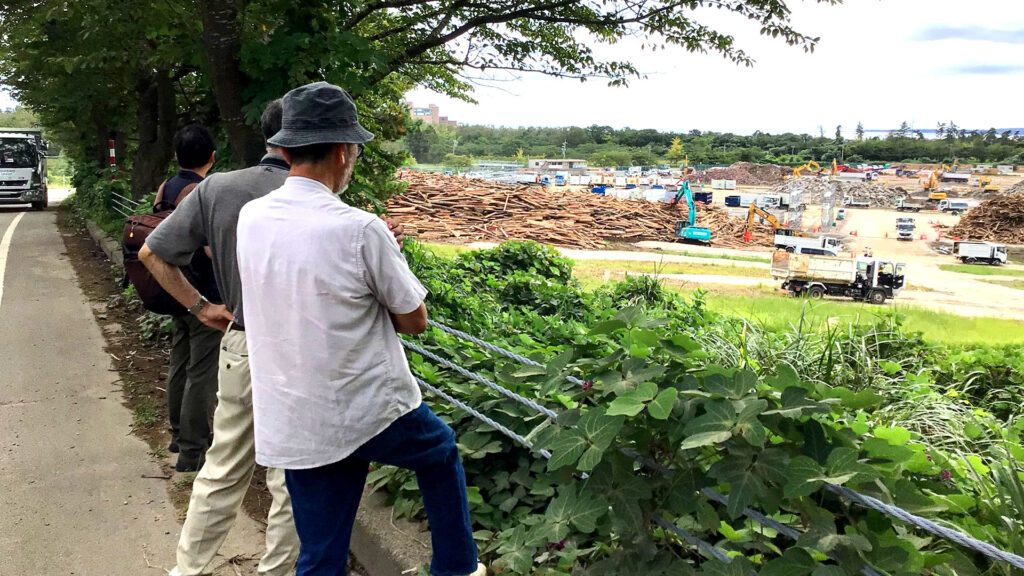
point(929, 286)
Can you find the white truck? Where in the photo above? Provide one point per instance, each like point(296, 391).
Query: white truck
point(869, 279)
point(905, 228)
point(852, 202)
point(903, 206)
point(789, 240)
point(987, 252)
point(23, 167)
point(954, 206)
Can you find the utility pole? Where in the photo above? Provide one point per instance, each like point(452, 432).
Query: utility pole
point(455, 142)
point(564, 143)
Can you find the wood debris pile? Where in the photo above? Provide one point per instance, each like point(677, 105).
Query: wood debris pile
point(813, 189)
point(1000, 219)
point(447, 207)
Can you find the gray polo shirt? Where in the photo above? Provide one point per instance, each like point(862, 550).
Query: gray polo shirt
point(209, 216)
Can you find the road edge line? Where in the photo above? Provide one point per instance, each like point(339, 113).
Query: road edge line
point(5, 247)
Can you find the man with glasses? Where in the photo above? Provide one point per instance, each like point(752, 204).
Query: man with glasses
point(327, 291)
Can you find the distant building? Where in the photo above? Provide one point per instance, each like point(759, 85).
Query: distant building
point(431, 115)
point(557, 164)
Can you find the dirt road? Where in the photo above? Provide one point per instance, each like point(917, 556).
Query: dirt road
point(79, 494)
point(953, 292)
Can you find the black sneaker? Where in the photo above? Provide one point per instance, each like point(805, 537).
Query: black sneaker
point(188, 464)
point(173, 447)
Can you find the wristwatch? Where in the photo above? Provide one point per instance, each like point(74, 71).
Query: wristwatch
point(198, 306)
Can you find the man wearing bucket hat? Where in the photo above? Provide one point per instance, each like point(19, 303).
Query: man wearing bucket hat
point(326, 292)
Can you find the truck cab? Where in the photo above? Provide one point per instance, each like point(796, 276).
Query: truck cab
point(905, 228)
point(879, 277)
point(23, 167)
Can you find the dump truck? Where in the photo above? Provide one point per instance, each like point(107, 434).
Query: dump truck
point(905, 228)
point(872, 280)
point(957, 206)
point(985, 252)
point(23, 167)
point(903, 206)
point(789, 240)
point(851, 202)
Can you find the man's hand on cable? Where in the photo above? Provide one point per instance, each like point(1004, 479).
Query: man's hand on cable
point(397, 229)
point(215, 316)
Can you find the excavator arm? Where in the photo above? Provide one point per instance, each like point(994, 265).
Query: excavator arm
point(768, 217)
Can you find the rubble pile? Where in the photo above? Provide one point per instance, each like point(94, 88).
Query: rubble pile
point(814, 189)
point(438, 207)
point(1017, 188)
point(1000, 219)
point(744, 173)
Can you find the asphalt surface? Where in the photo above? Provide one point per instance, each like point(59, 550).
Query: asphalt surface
point(74, 494)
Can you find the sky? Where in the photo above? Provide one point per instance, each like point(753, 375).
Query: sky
point(879, 62)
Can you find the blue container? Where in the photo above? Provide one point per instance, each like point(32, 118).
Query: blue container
point(598, 189)
point(733, 201)
point(630, 186)
point(705, 197)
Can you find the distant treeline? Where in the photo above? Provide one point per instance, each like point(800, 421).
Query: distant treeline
point(606, 146)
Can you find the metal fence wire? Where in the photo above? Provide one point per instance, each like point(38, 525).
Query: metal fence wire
point(706, 549)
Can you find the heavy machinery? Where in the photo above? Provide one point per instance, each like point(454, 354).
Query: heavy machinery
point(987, 252)
point(689, 230)
point(905, 227)
point(870, 279)
point(23, 167)
point(768, 217)
point(987, 185)
point(903, 206)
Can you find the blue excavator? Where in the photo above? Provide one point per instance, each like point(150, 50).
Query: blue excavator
point(688, 230)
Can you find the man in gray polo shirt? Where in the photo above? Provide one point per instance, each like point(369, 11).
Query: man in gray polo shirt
point(207, 217)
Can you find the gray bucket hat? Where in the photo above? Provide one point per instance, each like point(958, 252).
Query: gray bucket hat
point(319, 113)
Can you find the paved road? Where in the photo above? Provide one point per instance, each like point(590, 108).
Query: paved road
point(73, 499)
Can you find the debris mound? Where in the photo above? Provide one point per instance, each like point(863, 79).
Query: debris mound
point(1017, 188)
point(814, 190)
point(1000, 219)
point(744, 173)
point(449, 207)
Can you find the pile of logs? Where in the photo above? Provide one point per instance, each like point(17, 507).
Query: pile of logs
point(999, 219)
point(446, 207)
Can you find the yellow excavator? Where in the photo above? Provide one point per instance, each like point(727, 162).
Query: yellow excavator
point(768, 217)
point(932, 187)
point(987, 185)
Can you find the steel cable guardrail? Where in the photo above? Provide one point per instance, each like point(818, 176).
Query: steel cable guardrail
point(950, 534)
point(706, 548)
point(123, 205)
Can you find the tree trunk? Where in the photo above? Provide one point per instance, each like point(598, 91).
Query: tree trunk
point(156, 117)
point(222, 41)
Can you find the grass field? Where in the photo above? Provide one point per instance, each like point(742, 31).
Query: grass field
point(1018, 284)
point(781, 311)
point(765, 259)
point(981, 270)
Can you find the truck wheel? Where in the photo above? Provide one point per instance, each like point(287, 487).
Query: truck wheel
point(969, 260)
point(39, 206)
point(816, 292)
point(790, 249)
point(994, 262)
point(876, 297)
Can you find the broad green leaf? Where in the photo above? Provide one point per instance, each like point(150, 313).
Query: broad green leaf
point(566, 448)
point(890, 367)
point(841, 459)
point(704, 439)
point(803, 474)
point(737, 567)
point(600, 429)
point(527, 371)
point(607, 327)
point(896, 435)
point(794, 562)
point(625, 405)
point(880, 449)
point(755, 434)
point(828, 570)
point(661, 407)
point(752, 410)
point(719, 415)
point(580, 510)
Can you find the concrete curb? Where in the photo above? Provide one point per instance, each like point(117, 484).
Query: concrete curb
point(384, 546)
point(110, 247)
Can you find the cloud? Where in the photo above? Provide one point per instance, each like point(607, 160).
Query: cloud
point(981, 33)
point(988, 69)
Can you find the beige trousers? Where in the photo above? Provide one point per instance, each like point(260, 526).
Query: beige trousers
point(222, 482)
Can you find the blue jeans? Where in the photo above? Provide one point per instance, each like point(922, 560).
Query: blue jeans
point(325, 499)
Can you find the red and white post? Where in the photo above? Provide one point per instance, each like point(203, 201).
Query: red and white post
point(113, 154)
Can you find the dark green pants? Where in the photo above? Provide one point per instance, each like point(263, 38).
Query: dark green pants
point(192, 385)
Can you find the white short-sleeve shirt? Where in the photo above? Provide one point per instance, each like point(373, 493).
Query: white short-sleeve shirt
point(319, 279)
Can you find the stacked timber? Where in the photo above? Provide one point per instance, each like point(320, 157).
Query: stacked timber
point(1000, 219)
point(436, 207)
